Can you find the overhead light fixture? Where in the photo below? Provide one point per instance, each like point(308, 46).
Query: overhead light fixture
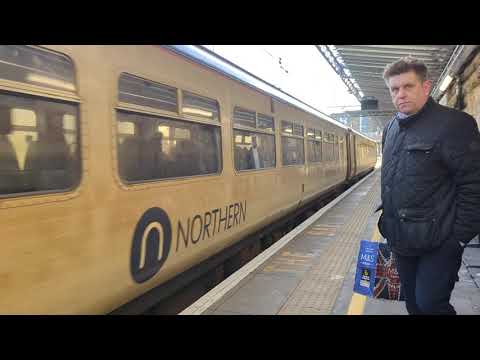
point(35, 78)
point(446, 81)
point(199, 112)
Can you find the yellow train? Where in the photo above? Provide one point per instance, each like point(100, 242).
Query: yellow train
point(124, 166)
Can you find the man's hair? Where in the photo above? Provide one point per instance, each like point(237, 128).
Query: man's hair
point(404, 65)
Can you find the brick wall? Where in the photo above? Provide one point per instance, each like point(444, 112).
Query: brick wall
point(470, 78)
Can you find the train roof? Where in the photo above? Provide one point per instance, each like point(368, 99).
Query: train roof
point(362, 135)
point(221, 65)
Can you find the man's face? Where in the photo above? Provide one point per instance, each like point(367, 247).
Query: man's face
point(408, 93)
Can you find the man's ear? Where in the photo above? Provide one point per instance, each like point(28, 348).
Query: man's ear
point(427, 86)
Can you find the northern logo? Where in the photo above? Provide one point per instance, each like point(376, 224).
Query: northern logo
point(150, 244)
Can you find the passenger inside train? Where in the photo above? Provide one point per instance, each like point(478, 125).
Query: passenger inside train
point(253, 151)
point(9, 170)
point(255, 158)
point(129, 151)
point(153, 160)
point(157, 148)
point(48, 160)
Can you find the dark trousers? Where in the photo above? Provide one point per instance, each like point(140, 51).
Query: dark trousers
point(428, 280)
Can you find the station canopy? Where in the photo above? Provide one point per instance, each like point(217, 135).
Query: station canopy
point(361, 68)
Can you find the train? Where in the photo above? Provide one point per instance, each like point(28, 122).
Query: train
point(123, 167)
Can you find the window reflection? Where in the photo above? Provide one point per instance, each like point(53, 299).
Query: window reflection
point(253, 150)
point(292, 151)
point(38, 145)
point(162, 148)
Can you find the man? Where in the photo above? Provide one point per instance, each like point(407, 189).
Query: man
point(256, 161)
point(430, 188)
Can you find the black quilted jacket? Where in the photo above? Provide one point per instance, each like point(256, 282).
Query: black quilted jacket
point(430, 180)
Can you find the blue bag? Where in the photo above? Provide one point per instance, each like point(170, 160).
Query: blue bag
point(377, 275)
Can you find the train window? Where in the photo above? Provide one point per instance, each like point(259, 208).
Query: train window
point(332, 146)
point(314, 145)
point(297, 130)
point(138, 91)
point(328, 147)
point(314, 150)
point(38, 144)
point(244, 117)
point(292, 151)
point(37, 67)
point(311, 134)
point(265, 122)
point(253, 150)
point(200, 106)
point(152, 147)
point(336, 154)
point(341, 141)
point(287, 127)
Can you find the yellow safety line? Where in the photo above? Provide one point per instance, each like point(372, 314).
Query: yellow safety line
point(357, 304)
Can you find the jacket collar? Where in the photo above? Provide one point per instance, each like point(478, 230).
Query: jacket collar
point(404, 121)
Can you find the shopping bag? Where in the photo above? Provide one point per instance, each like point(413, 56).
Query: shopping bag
point(377, 275)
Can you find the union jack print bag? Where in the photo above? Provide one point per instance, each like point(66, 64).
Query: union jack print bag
point(377, 275)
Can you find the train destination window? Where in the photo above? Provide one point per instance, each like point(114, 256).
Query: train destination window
point(253, 150)
point(38, 144)
point(152, 147)
point(138, 91)
point(36, 66)
point(244, 117)
point(199, 106)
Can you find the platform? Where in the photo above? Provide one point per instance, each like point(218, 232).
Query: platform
point(310, 271)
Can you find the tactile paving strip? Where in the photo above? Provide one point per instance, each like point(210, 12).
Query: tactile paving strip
point(318, 290)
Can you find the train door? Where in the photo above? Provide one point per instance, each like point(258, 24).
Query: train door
point(351, 155)
point(354, 155)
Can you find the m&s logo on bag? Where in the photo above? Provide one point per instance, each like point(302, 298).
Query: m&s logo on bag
point(366, 266)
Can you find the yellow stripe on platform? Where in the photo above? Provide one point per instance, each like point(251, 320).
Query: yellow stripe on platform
point(357, 304)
